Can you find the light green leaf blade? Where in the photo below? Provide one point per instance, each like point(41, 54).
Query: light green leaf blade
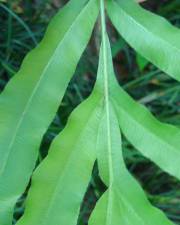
point(30, 100)
point(158, 141)
point(124, 203)
point(149, 34)
point(61, 180)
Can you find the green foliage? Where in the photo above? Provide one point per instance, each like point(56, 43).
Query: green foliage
point(27, 109)
point(93, 130)
point(151, 35)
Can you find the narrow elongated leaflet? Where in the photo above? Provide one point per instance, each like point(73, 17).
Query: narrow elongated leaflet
point(124, 202)
point(92, 132)
point(149, 34)
point(30, 100)
point(160, 142)
point(61, 180)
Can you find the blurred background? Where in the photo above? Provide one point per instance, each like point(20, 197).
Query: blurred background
point(22, 26)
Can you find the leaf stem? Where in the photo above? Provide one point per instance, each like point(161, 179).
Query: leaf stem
point(106, 90)
point(107, 108)
point(103, 20)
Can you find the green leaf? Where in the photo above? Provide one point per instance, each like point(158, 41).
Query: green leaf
point(30, 100)
point(150, 35)
point(158, 141)
point(61, 180)
point(124, 202)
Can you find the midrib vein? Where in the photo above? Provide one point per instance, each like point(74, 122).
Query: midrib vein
point(22, 116)
point(107, 106)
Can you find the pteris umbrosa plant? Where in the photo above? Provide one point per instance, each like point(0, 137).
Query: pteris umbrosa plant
point(93, 132)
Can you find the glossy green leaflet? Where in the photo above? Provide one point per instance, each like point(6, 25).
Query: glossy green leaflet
point(94, 128)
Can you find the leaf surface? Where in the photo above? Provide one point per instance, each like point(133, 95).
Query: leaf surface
point(154, 38)
point(61, 180)
point(124, 202)
point(158, 141)
point(31, 99)
point(149, 34)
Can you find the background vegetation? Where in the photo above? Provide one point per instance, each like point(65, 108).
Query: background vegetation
point(22, 26)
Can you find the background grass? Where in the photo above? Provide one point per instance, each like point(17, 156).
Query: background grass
point(22, 25)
